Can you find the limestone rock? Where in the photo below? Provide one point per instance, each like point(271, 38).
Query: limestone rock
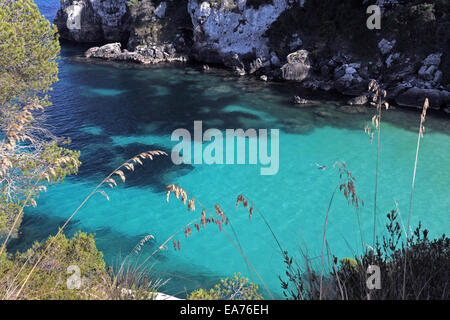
point(297, 67)
point(92, 21)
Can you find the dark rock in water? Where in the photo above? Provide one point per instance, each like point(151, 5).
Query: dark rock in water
point(360, 100)
point(297, 66)
point(415, 97)
point(299, 100)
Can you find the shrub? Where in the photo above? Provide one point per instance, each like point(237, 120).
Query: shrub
point(236, 288)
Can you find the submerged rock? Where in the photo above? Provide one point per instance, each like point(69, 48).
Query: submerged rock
point(415, 97)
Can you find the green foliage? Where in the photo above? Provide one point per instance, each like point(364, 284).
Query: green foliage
point(49, 280)
point(30, 156)
point(29, 48)
point(427, 270)
point(236, 288)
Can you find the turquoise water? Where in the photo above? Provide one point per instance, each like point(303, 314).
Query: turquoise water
point(113, 112)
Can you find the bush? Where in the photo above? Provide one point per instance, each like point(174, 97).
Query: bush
point(427, 270)
point(237, 288)
point(49, 280)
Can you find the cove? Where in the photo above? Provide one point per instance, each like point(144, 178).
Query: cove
point(110, 128)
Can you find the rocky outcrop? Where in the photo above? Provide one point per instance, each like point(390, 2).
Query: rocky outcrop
point(224, 27)
point(251, 38)
point(297, 67)
point(143, 55)
point(93, 20)
point(155, 22)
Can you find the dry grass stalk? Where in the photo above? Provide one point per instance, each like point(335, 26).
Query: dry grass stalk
point(347, 185)
point(378, 101)
point(219, 219)
point(108, 180)
point(246, 202)
point(421, 132)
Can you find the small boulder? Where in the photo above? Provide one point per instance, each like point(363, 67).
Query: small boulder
point(299, 100)
point(107, 51)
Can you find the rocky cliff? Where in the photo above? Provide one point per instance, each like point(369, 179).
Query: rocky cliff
point(223, 27)
point(320, 44)
point(93, 20)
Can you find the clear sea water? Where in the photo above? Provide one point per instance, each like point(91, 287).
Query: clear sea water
point(112, 112)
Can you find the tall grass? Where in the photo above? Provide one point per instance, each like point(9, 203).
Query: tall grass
point(108, 181)
point(421, 132)
point(346, 280)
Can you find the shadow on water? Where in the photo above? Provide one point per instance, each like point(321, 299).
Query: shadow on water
point(117, 246)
